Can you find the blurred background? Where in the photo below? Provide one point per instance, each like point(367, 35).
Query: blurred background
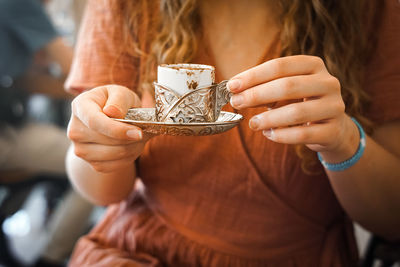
point(41, 217)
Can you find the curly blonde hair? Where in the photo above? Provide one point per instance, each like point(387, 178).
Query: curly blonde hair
point(165, 32)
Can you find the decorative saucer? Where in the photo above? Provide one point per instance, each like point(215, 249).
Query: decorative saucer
point(145, 118)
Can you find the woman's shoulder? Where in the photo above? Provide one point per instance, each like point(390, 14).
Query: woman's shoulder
point(100, 54)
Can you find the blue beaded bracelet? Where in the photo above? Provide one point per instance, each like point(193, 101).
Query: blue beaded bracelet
point(341, 166)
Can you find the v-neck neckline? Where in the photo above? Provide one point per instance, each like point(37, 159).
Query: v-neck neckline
point(269, 52)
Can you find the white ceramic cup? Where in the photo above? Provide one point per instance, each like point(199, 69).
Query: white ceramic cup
point(183, 78)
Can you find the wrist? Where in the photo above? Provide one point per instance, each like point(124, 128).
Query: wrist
point(99, 188)
point(346, 145)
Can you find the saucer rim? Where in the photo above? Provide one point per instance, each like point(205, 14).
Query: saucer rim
point(214, 123)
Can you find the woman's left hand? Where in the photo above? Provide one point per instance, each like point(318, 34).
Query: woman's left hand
point(315, 115)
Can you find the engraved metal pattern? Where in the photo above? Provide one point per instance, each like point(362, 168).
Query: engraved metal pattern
point(164, 98)
point(195, 106)
point(200, 105)
point(223, 96)
point(145, 118)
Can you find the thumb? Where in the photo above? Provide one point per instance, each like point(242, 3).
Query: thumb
point(119, 100)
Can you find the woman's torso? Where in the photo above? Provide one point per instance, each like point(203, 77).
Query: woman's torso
point(238, 192)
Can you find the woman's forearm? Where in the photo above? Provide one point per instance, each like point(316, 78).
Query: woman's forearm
point(369, 190)
point(99, 188)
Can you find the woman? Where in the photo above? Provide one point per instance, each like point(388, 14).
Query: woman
point(256, 195)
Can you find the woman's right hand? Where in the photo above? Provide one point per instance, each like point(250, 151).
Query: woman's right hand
point(107, 145)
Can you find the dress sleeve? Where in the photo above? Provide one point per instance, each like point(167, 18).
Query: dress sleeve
point(100, 57)
point(382, 80)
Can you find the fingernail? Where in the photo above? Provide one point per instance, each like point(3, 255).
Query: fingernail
point(268, 133)
point(254, 123)
point(236, 100)
point(233, 85)
point(134, 134)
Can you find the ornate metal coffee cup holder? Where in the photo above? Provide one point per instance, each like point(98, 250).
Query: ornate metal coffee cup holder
point(199, 105)
point(197, 112)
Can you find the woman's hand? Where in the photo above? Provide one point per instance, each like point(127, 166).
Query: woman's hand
point(311, 110)
point(107, 145)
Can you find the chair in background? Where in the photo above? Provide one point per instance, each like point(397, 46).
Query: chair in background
point(388, 253)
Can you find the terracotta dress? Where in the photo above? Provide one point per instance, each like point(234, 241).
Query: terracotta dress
point(234, 199)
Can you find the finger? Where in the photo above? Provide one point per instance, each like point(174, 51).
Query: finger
point(79, 132)
point(288, 88)
point(270, 106)
point(298, 113)
point(320, 133)
point(97, 152)
point(91, 115)
point(275, 69)
point(110, 166)
point(119, 100)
